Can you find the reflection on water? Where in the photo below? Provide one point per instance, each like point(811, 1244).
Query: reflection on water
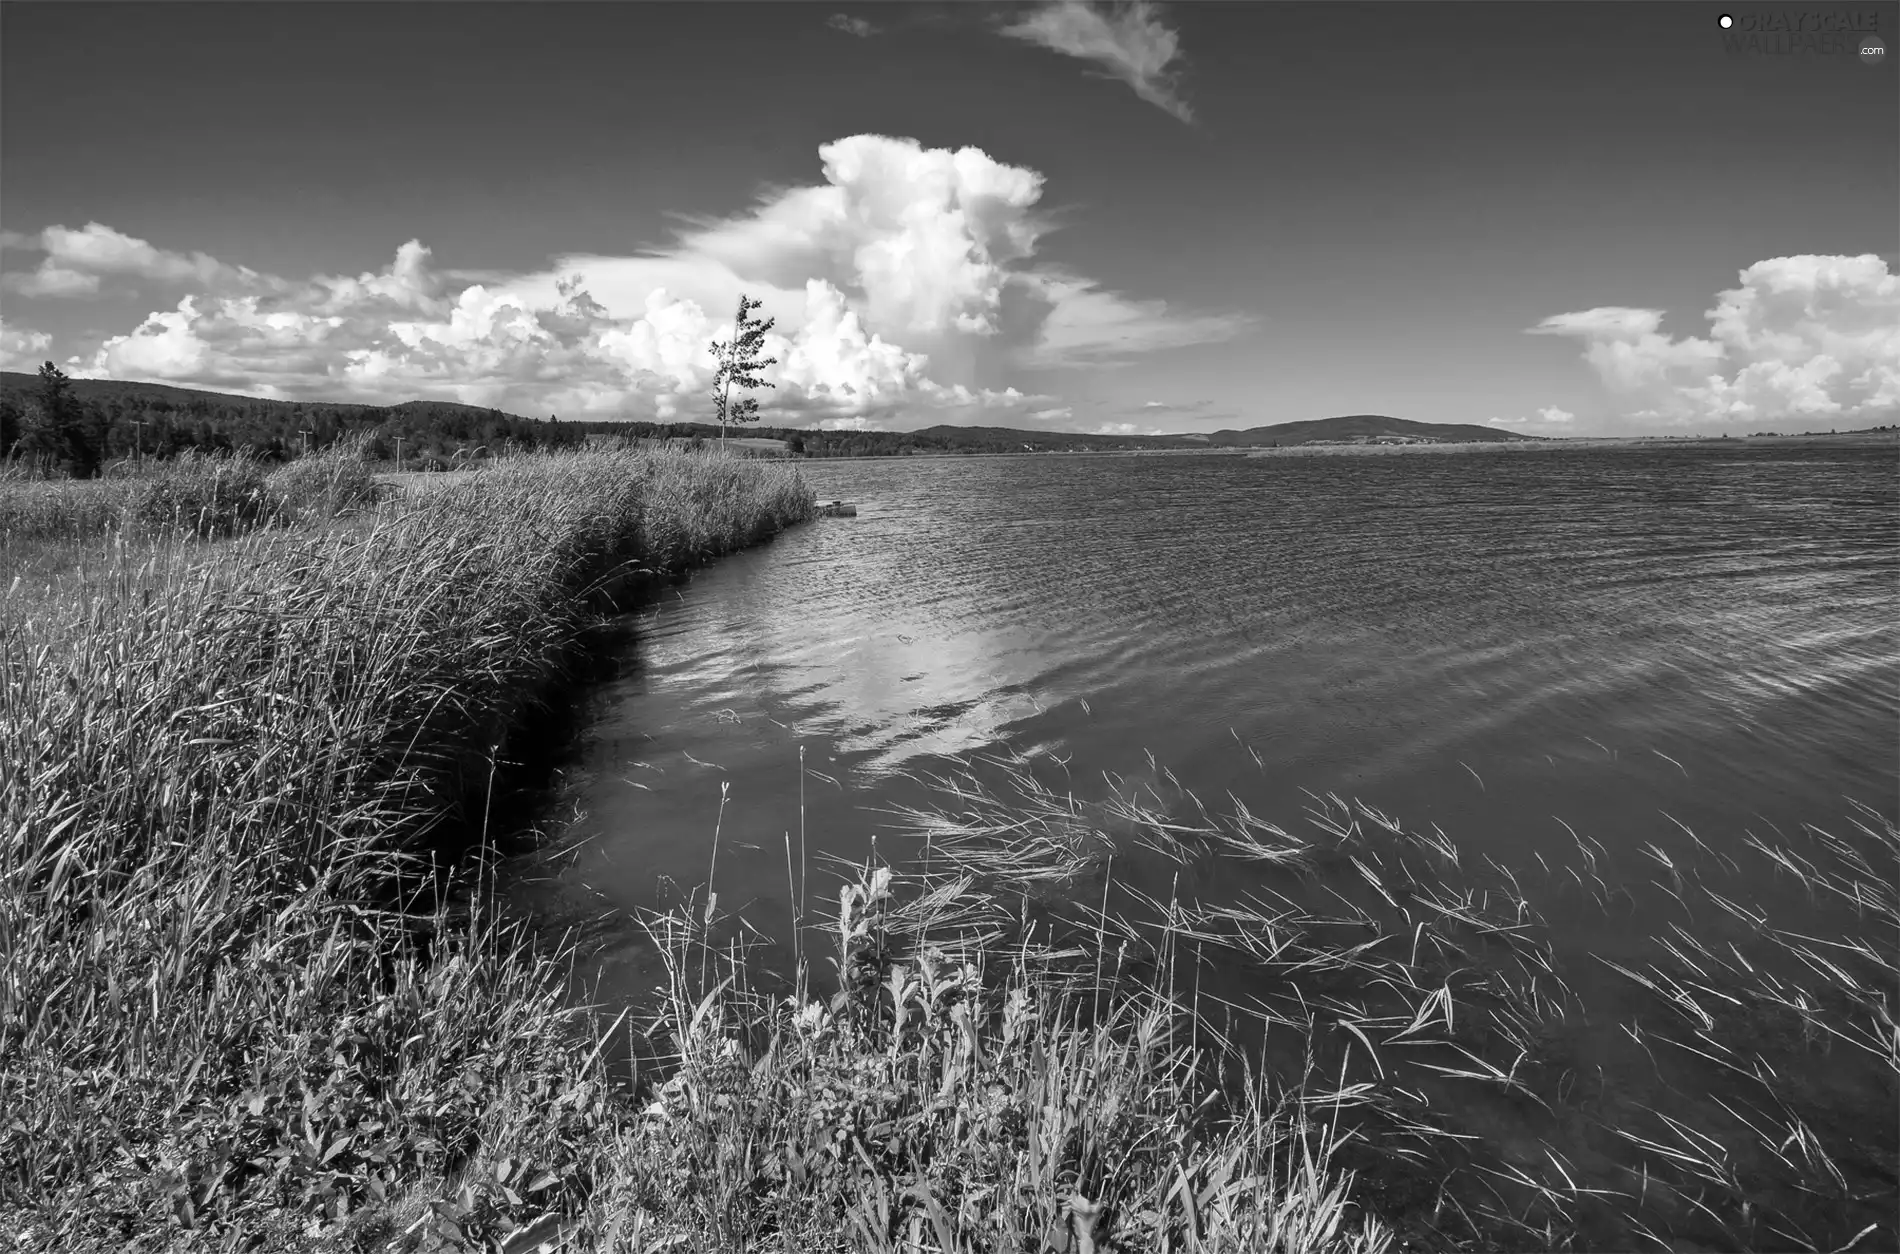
point(1612, 645)
point(1393, 628)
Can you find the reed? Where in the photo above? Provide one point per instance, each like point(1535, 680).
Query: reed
point(251, 993)
point(955, 1095)
point(1460, 988)
point(241, 988)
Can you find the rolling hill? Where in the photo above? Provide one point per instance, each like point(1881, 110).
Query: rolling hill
point(143, 394)
point(418, 415)
point(1360, 428)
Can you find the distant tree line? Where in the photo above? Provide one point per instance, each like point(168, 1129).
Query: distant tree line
point(804, 442)
point(78, 426)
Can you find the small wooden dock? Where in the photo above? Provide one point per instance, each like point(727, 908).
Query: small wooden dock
point(837, 509)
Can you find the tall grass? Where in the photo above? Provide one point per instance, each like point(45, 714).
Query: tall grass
point(255, 994)
point(48, 526)
point(955, 1094)
point(232, 998)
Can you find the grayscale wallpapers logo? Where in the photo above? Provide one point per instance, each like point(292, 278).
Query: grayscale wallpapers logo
point(1804, 32)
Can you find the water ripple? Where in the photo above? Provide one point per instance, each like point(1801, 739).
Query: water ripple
point(1376, 625)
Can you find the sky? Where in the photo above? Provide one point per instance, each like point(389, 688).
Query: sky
point(1567, 219)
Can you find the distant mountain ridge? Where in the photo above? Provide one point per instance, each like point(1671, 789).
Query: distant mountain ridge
point(1363, 428)
point(1349, 428)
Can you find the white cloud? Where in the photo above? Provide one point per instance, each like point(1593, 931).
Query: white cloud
point(51, 279)
point(21, 348)
point(1087, 324)
point(407, 284)
point(165, 346)
point(1548, 416)
point(851, 25)
point(1200, 412)
point(1130, 41)
point(925, 234)
point(335, 338)
point(836, 356)
point(903, 286)
point(77, 258)
point(1803, 337)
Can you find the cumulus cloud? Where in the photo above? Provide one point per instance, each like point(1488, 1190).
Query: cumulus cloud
point(76, 259)
point(22, 349)
point(905, 288)
point(1129, 41)
point(851, 25)
point(1799, 337)
point(925, 235)
point(338, 337)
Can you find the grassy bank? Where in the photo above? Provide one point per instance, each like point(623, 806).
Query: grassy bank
point(227, 767)
point(239, 1010)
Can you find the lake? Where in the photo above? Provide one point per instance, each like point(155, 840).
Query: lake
point(1626, 663)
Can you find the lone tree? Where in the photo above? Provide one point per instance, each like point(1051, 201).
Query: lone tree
point(739, 366)
point(55, 426)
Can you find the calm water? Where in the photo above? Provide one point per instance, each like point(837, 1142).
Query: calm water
point(1631, 641)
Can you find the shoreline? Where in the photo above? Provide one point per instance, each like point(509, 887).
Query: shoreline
point(1825, 440)
point(318, 910)
point(335, 1058)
